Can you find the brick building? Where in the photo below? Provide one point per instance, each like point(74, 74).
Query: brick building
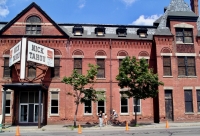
point(171, 46)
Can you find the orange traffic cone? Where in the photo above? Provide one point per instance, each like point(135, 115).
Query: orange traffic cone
point(17, 131)
point(79, 129)
point(167, 125)
point(127, 129)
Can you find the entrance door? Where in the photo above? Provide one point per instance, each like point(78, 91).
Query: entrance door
point(36, 112)
point(23, 113)
point(168, 105)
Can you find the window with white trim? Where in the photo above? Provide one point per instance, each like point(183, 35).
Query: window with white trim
point(186, 66)
point(198, 100)
point(188, 101)
point(6, 69)
point(167, 66)
point(101, 68)
point(124, 104)
point(184, 35)
point(54, 103)
point(8, 103)
point(88, 107)
point(136, 105)
point(101, 103)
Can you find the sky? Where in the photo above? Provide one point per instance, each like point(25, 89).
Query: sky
point(119, 12)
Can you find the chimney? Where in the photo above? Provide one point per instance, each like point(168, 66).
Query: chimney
point(194, 6)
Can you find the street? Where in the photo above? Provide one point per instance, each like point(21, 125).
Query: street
point(179, 131)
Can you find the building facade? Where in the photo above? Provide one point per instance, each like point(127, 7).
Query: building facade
point(170, 45)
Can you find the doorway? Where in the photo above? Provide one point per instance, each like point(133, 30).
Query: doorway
point(29, 107)
point(168, 105)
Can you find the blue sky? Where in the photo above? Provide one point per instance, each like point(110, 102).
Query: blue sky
point(124, 12)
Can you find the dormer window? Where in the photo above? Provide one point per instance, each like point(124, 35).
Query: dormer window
point(33, 25)
point(121, 32)
point(100, 31)
point(77, 30)
point(142, 32)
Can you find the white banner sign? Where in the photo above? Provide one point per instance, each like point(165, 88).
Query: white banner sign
point(40, 54)
point(15, 53)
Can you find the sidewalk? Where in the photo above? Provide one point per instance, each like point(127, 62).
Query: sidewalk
point(90, 128)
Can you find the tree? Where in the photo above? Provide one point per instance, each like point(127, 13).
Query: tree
point(140, 81)
point(83, 87)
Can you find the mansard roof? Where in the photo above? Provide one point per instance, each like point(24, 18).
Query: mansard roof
point(110, 31)
point(176, 8)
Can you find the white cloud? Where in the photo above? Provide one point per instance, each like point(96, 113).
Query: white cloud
point(3, 8)
point(128, 2)
point(81, 3)
point(146, 20)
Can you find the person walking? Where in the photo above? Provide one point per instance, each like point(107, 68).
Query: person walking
point(100, 114)
point(105, 119)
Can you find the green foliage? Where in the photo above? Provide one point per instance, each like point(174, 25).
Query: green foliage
point(83, 85)
point(140, 81)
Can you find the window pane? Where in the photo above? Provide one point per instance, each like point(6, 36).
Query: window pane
point(198, 106)
point(124, 101)
point(88, 110)
point(56, 61)
point(56, 71)
point(54, 95)
point(24, 97)
point(191, 71)
point(124, 109)
point(7, 102)
point(188, 40)
point(54, 110)
point(166, 61)
point(88, 103)
point(100, 103)
point(179, 39)
point(79, 71)
point(136, 108)
point(77, 63)
point(190, 61)
point(101, 63)
point(188, 95)
point(181, 71)
point(100, 73)
point(198, 95)
point(167, 71)
point(181, 61)
point(179, 32)
point(31, 97)
point(188, 107)
point(101, 109)
point(7, 110)
point(187, 32)
point(54, 102)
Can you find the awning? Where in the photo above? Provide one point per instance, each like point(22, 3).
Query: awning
point(28, 86)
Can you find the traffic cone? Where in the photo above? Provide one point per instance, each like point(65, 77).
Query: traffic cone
point(127, 129)
point(167, 124)
point(17, 131)
point(79, 129)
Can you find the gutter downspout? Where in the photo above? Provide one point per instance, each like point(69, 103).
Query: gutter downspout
point(111, 108)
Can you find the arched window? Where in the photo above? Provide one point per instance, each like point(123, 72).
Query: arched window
point(33, 25)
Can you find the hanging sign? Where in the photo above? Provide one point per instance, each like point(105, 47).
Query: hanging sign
point(40, 54)
point(15, 54)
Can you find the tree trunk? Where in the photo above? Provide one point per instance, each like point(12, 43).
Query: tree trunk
point(76, 114)
point(136, 110)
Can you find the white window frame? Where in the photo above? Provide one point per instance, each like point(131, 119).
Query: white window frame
point(91, 109)
point(127, 113)
point(7, 91)
point(137, 105)
point(54, 90)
